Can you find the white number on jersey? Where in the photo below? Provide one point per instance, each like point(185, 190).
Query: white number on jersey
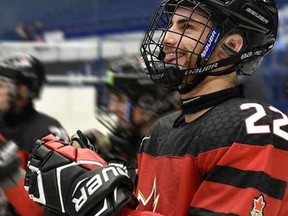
point(252, 128)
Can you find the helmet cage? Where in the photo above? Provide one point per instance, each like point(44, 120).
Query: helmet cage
point(164, 73)
point(176, 75)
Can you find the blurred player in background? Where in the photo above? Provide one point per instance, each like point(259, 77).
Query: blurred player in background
point(132, 103)
point(21, 80)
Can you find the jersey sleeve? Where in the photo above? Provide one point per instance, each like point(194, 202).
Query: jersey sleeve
point(20, 200)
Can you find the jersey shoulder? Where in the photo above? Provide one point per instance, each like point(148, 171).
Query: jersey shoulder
point(165, 123)
point(46, 124)
point(244, 121)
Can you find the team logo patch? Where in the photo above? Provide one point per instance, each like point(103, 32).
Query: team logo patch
point(258, 206)
point(153, 196)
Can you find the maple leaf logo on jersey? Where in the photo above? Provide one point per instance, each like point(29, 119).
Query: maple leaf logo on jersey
point(258, 206)
point(153, 196)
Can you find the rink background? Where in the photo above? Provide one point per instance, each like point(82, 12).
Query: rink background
point(73, 106)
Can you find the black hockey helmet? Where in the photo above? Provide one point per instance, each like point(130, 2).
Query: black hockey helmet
point(255, 20)
point(127, 76)
point(25, 69)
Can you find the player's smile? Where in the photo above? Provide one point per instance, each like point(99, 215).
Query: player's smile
point(171, 57)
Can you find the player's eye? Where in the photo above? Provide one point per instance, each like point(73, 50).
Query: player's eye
point(190, 26)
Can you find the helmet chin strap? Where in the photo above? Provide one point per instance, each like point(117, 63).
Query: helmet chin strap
point(201, 76)
point(191, 85)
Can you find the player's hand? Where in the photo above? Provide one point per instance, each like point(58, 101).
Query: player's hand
point(75, 181)
point(99, 140)
point(10, 172)
point(79, 140)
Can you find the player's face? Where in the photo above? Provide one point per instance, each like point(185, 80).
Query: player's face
point(138, 114)
point(7, 94)
point(185, 37)
point(119, 104)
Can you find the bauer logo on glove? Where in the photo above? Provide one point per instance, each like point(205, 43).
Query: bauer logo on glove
point(75, 181)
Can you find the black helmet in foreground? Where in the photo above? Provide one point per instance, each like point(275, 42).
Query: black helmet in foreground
point(25, 69)
point(255, 20)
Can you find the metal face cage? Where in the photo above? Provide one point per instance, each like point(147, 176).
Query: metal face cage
point(186, 22)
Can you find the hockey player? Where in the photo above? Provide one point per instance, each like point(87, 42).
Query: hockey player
point(222, 155)
point(21, 80)
point(128, 106)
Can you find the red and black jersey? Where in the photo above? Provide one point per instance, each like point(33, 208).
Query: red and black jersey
point(230, 161)
point(24, 129)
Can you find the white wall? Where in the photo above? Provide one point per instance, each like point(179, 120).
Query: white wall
point(72, 106)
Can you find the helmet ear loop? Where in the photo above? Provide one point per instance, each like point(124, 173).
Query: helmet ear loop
point(231, 46)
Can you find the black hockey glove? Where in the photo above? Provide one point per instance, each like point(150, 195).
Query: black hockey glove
point(10, 172)
point(75, 181)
